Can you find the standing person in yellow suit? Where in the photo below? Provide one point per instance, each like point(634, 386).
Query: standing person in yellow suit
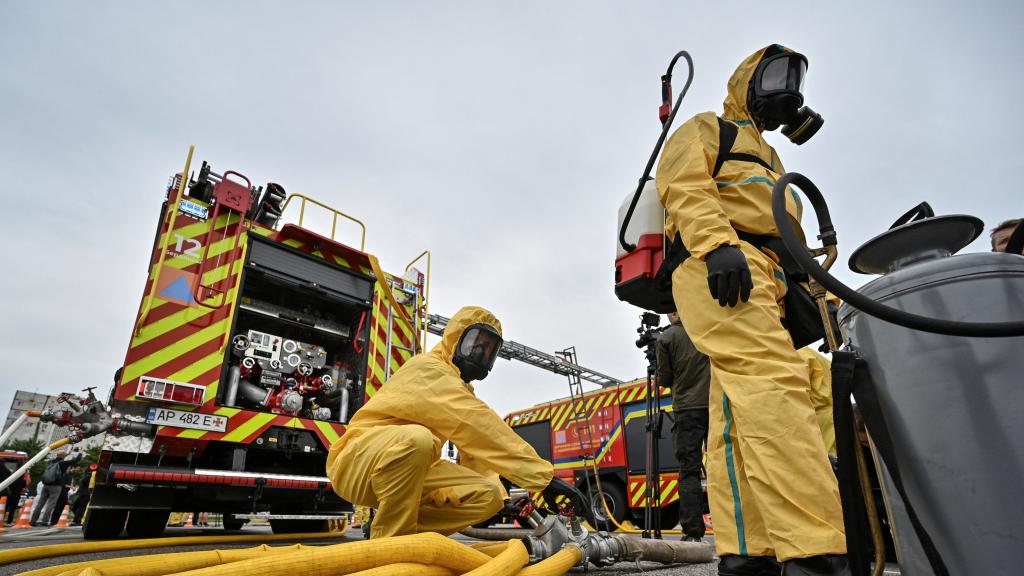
point(772, 491)
point(389, 456)
point(819, 371)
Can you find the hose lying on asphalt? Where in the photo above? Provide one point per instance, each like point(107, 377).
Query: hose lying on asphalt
point(427, 554)
point(36, 552)
point(664, 551)
point(502, 534)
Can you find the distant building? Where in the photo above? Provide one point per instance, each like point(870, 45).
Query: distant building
point(33, 428)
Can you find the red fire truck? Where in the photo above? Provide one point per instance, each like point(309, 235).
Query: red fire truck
point(610, 425)
point(253, 344)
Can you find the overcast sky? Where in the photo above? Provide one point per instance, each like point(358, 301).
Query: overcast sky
point(501, 136)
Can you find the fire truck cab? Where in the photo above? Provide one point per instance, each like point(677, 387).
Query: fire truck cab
point(254, 343)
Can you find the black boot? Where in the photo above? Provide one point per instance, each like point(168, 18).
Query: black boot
point(736, 565)
point(830, 565)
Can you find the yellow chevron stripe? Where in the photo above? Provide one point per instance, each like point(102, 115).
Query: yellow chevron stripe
point(168, 323)
point(192, 434)
point(293, 243)
point(637, 394)
point(609, 443)
point(221, 272)
point(217, 248)
point(180, 347)
point(341, 261)
point(177, 319)
point(295, 423)
point(328, 431)
point(198, 368)
point(570, 410)
point(544, 413)
point(556, 412)
point(670, 486)
point(248, 427)
point(610, 399)
point(557, 424)
point(402, 326)
point(634, 501)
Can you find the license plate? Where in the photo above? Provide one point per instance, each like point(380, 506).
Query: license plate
point(183, 419)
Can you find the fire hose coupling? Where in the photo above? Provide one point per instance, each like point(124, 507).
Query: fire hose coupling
point(125, 427)
point(604, 549)
point(550, 536)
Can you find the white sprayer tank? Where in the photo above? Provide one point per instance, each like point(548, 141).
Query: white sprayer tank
point(648, 217)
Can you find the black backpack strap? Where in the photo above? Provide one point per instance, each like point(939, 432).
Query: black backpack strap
point(727, 133)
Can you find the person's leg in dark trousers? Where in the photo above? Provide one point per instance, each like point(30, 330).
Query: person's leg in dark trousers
point(58, 509)
point(691, 432)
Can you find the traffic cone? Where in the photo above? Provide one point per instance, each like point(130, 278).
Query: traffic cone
point(26, 515)
point(3, 513)
point(63, 521)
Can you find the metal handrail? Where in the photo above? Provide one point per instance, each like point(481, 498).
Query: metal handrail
point(334, 219)
point(426, 295)
point(173, 209)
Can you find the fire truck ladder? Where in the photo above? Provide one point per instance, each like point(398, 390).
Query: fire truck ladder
point(552, 363)
point(580, 418)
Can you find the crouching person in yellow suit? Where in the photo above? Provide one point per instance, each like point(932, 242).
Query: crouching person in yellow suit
point(389, 456)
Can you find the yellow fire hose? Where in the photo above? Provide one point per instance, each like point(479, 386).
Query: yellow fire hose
point(427, 554)
point(37, 552)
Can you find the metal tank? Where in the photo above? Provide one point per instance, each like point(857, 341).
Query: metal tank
point(954, 405)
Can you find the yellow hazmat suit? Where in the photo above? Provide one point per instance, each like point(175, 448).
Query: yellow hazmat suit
point(771, 488)
point(389, 456)
point(819, 370)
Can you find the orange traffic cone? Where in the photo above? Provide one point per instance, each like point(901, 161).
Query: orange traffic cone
point(3, 513)
point(26, 515)
point(63, 521)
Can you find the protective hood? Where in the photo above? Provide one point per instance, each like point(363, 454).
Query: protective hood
point(736, 100)
point(463, 319)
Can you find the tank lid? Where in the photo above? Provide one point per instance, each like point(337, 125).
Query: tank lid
point(935, 237)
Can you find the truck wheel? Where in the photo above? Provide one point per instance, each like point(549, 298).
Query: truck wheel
point(232, 523)
point(146, 523)
point(614, 497)
point(103, 523)
point(285, 526)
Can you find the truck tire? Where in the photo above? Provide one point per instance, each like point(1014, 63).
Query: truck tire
point(103, 523)
point(615, 497)
point(285, 526)
point(232, 523)
point(146, 523)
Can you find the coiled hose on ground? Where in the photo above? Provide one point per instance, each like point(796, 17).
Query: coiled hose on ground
point(426, 554)
point(418, 554)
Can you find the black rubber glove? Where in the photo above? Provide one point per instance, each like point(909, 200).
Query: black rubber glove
point(728, 275)
point(580, 504)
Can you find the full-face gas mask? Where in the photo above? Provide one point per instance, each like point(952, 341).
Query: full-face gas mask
point(774, 97)
point(476, 351)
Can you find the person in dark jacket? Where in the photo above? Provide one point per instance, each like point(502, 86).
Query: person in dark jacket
point(53, 488)
point(687, 372)
point(14, 491)
point(81, 497)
